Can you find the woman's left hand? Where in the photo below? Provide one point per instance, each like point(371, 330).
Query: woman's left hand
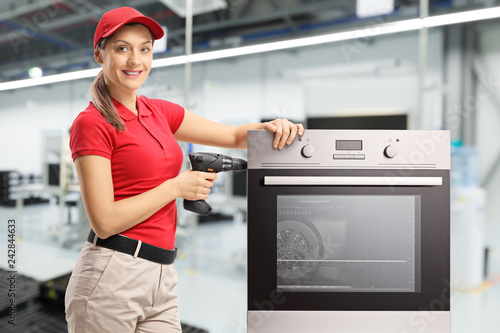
point(285, 131)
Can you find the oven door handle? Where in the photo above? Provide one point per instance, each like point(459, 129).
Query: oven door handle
point(353, 181)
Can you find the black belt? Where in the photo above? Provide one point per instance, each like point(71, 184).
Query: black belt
point(129, 246)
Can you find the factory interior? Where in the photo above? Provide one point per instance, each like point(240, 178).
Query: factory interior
point(343, 64)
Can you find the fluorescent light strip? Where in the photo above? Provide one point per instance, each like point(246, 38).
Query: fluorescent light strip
point(49, 79)
point(462, 17)
point(370, 31)
point(380, 29)
point(83, 74)
point(165, 62)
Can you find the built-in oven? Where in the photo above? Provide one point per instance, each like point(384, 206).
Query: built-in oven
point(348, 231)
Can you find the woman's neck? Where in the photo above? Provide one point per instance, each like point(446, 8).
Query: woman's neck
point(126, 98)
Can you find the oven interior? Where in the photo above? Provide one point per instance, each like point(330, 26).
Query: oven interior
point(348, 243)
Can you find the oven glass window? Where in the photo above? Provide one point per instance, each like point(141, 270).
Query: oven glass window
point(348, 243)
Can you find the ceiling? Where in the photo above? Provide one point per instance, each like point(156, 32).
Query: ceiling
point(57, 35)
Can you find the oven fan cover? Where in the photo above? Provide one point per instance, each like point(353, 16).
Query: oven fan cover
point(299, 245)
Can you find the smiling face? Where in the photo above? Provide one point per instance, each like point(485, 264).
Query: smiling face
point(126, 59)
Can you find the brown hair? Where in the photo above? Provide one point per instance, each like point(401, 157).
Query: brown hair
point(100, 97)
point(99, 94)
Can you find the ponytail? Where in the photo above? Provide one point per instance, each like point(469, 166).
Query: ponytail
point(100, 97)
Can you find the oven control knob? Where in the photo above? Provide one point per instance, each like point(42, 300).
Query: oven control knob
point(390, 151)
point(307, 151)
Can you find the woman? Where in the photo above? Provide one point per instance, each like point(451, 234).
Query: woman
point(128, 162)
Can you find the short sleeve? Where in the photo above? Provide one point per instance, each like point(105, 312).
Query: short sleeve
point(175, 116)
point(90, 134)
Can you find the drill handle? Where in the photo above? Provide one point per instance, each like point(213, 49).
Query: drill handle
point(199, 206)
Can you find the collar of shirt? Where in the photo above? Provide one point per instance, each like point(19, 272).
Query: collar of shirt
point(128, 115)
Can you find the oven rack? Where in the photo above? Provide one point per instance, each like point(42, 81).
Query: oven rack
point(330, 262)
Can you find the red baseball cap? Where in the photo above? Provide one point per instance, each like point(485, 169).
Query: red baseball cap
point(114, 19)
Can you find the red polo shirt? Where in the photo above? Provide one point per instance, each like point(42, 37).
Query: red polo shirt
point(142, 157)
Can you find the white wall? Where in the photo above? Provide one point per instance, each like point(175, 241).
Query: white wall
point(28, 113)
point(488, 118)
point(387, 89)
point(232, 91)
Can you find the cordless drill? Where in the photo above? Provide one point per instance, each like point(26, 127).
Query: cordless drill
point(211, 162)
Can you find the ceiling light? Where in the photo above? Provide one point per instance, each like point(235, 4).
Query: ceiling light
point(35, 72)
point(462, 17)
point(381, 29)
point(49, 79)
point(370, 8)
point(199, 6)
point(172, 61)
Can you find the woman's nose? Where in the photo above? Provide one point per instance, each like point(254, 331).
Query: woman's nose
point(133, 58)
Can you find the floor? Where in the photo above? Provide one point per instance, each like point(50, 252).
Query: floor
point(212, 283)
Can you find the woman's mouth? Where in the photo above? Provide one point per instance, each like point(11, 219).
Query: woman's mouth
point(131, 74)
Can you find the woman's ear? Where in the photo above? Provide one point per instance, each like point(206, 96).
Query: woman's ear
point(98, 55)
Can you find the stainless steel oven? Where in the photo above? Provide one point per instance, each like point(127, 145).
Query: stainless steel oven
point(348, 231)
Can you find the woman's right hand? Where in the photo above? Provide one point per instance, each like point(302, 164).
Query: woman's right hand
point(194, 185)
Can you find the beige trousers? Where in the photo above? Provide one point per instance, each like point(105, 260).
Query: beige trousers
point(110, 291)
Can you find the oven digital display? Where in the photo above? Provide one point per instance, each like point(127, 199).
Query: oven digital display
point(348, 144)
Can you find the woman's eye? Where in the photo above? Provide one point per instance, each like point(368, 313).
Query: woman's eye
point(146, 50)
point(122, 49)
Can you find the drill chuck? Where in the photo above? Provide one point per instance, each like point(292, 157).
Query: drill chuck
point(237, 164)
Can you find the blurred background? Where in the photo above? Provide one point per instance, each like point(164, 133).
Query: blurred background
point(432, 64)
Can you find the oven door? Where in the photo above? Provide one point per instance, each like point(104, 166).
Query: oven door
point(348, 240)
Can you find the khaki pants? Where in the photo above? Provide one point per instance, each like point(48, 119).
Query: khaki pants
point(110, 291)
